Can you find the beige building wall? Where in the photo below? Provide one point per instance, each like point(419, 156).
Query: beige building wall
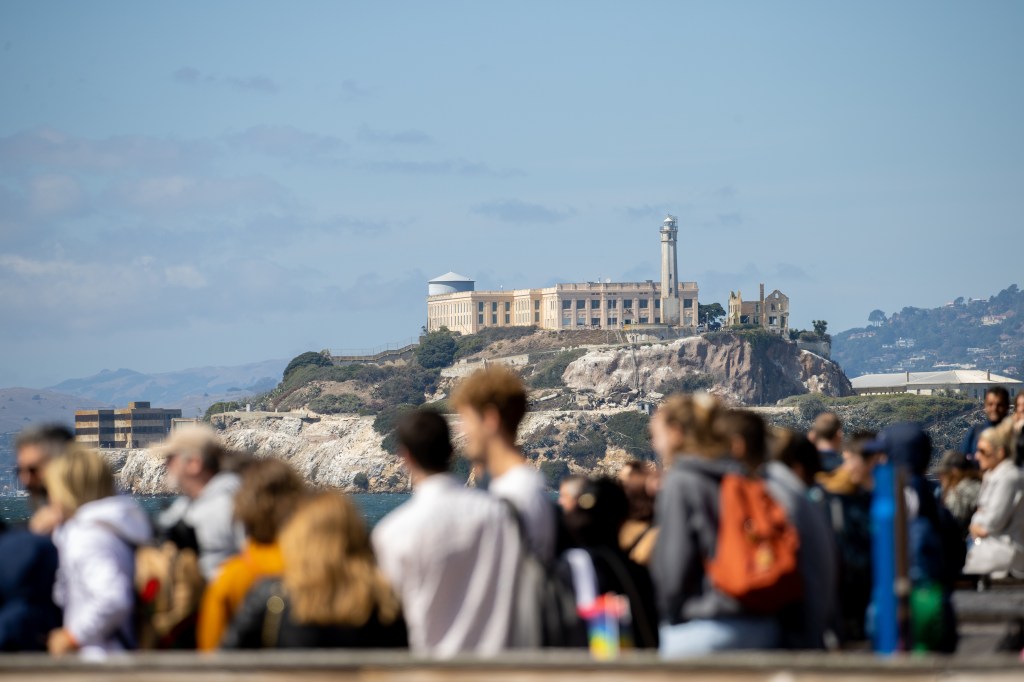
point(585, 305)
point(768, 312)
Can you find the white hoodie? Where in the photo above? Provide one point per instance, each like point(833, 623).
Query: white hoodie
point(96, 577)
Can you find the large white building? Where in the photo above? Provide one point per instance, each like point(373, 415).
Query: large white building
point(453, 302)
point(971, 383)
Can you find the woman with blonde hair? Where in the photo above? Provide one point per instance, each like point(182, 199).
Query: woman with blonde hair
point(96, 538)
point(997, 527)
point(331, 593)
point(696, 618)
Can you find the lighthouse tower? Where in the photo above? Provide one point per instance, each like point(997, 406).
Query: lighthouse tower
point(669, 272)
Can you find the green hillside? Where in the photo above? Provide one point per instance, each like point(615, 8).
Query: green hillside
point(969, 333)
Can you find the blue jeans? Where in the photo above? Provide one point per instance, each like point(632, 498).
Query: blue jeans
point(702, 637)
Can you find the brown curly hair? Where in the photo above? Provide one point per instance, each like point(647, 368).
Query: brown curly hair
point(270, 491)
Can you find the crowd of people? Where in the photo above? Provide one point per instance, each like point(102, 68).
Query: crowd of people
point(738, 536)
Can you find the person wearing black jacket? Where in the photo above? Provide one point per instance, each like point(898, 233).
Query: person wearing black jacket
point(593, 526)
point(27, 572)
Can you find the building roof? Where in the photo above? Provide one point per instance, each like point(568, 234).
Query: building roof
point(948, 377)
point(450, 277)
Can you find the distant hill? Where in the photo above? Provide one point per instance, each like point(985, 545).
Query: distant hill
point(985, 334)
point(191, 390)
point(20, 407)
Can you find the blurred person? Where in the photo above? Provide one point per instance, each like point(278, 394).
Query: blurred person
point(269, 493)
point(853, 475)
point(1017, 437)
point(811, 623)
point(96, 541)
point(997, 527)
point(491, 403)
point(935, 551)
point(203, 515)
point(34, 448)
point(960, 488)
point(452, 553)
point(828, 438)
point(331, 593)
point(27, 573)
point(598, 564)
point(996, 407)
point(696, 617)
point(845, 496)
point(569, 491)
point(638, 533)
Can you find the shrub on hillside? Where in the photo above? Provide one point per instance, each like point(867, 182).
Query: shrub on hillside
point(548, 372)
point(407, 386)
point(384, 422)
point(688, 383)
point(437, 349)
point(361, 481)
point(223, 406)
point(307, 359)
point(812, 406)
point(346, 403)
point(586, 450)
point(629, 431)
point(554, 472)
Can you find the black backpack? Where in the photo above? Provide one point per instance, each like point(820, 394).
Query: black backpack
point(545, 603)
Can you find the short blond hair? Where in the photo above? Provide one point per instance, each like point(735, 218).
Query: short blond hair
point(496, 387)
point(77, 477)
point(694, 416)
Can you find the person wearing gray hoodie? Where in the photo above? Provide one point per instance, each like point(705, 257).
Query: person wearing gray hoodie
point(96, 540)
point(695, 617)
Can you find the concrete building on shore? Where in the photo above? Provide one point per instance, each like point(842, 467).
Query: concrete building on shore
point(970, 383)
point(453, 302)
point(137, 426)
point(769, 312)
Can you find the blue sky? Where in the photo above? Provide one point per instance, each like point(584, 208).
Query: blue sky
point(194, 183)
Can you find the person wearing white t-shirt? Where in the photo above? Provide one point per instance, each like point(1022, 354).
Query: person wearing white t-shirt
point(491, 403)
point(451, 553)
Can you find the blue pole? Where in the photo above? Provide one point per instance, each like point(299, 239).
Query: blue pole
point(885, 637)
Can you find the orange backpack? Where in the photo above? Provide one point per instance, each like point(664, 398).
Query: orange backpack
point(755, 558)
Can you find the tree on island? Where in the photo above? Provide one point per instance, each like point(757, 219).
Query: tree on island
point(437, 349)
point(876, 317)
point(820, 328)
point(709, 313)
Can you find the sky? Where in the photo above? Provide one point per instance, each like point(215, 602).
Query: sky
point(194, 183)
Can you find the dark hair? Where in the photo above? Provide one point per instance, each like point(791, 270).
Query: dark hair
point(50, 436)
point(269, 493)
point(856, 442)
point(599, 514)
point(999, 392)
point(749, 427)
point(794, 449)
point(424, 434)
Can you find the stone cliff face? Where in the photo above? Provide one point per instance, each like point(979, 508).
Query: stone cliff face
point(753, 371)
point(330, 452)
point(344, 451)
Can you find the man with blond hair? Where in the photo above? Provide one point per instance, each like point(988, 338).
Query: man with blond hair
point(491, 403)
